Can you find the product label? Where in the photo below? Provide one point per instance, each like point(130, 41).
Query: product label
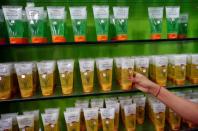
point(34, 113)
point(105, 64)
point(97, 103)
point(161, 61)
point(82, 104)
point(72, 117)
point(156, 12)
point(46, 67)
point(116, 106)
point(91, 113)
point(70, 109)
point(86, 65)
point(118, 62)
point(23, 68)
point(172, 12)
point(12, 12)
point(107, 113)
point(127, 63)
point(130, 109)
point(195, 59)
point(140, 102)
point(56, 13)
point(49, 118)
point(65, 66)
point(158, 107)
point(183, 18)
point(10, 115)
point(125, 102)
point(180, 60)
point(120, 12)
point(35, 13)
point(52, 110)
point(124, 98)
point(25, 121)
point(142, 62)
point(78, 12)
point(5, 69)
point(5, 124)
point(101, 12)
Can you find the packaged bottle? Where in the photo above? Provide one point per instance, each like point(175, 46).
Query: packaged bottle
point(142, 65)
point(183, 26)
point(37, 24)
point(50, 121)
point(87, 74)
point(172, 20)
point(101, 17)
point(52, 111)
point(5, 81)
point(6, 124)
point(66, 74)
point(155, 19)
point(91, 119)
point(79, 22)
point(192, 68)
point(108, 116)
point(72, 120)
point(35, 113)
point(57, 19)
point(130, 117)
point(121, 22)
point(46, 70)
point(127, 68)
point(15, 24)
point(13, 116)
point(25, 122)
point(24, 72)
point(104, 67)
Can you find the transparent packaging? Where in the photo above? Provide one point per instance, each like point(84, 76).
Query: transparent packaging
point(192, 68)
point(50, 121)
point(26, 122)
point(6, 124)
point(35, 113)
point(108, 116)
point(46, 70)
point(66, 74)
point(104, 67)
point(6, 81)
point(130, 117)
point(79, 22)
point(87, 74)
point(52, 111)
point(142, 65)
point(13, 116)
point(72, 120)
point(174, 120)
point(25, 78)
point(124, 102)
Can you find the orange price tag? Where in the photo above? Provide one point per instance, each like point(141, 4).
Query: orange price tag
point(156, 36)
point(14, 40)
point(102, 37)
point(2, 41)
point(39, 40)
point(122, 37)
point(58, 39)
point(172, 36)
point(79, 39)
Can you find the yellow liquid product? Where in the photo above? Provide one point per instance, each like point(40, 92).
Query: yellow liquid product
point(140, 112)
point(126, 84)
point(26, 85)
point(105, 79)
point(87, 81)
point(130, 122)
point(91, 125)
point(174, 121)
point(27, 129)
point(179, 75)
point(142, 70)
point(74, 126)
point(193, 73)
point(66, 82)
point(118, 74)
point(108, 124)
point(116, 122)
point(160, 76)
point(5, 87)
point(47, 83)
point(51, 127)
point(159, 121)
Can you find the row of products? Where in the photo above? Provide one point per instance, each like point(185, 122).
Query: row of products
point(98, 114)
point(177, 24)
point(27, 75)
point(35, 18)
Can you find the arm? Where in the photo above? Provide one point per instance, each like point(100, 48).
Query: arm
point(184, 108)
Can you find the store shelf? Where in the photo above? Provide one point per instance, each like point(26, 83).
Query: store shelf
point(78, 93)
point(186, 40)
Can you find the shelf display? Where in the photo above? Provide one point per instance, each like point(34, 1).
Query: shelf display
point(191, 73)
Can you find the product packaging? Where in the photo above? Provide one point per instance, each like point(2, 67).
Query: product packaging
point(50, 121)
point(121, 22)
point(183, 26)
point(192, 68)
point(108, 116)
point(101, 16)
point(5, 81)
point(15, 24)
point(66, 74)
point(37, 24)
point(46, 70)
point(6, 124)
point(79, 22)
point(174, 120)
point(130, 117)
point(13, 116)
point(72, 120)
point(87, 74)
point(35, 113)
point(57, 19)
point(104, 67)
point(24, 72)
point(142, 65)
point(124, 102)
point(25, 122)
point(155, 19)
point(172, 20)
